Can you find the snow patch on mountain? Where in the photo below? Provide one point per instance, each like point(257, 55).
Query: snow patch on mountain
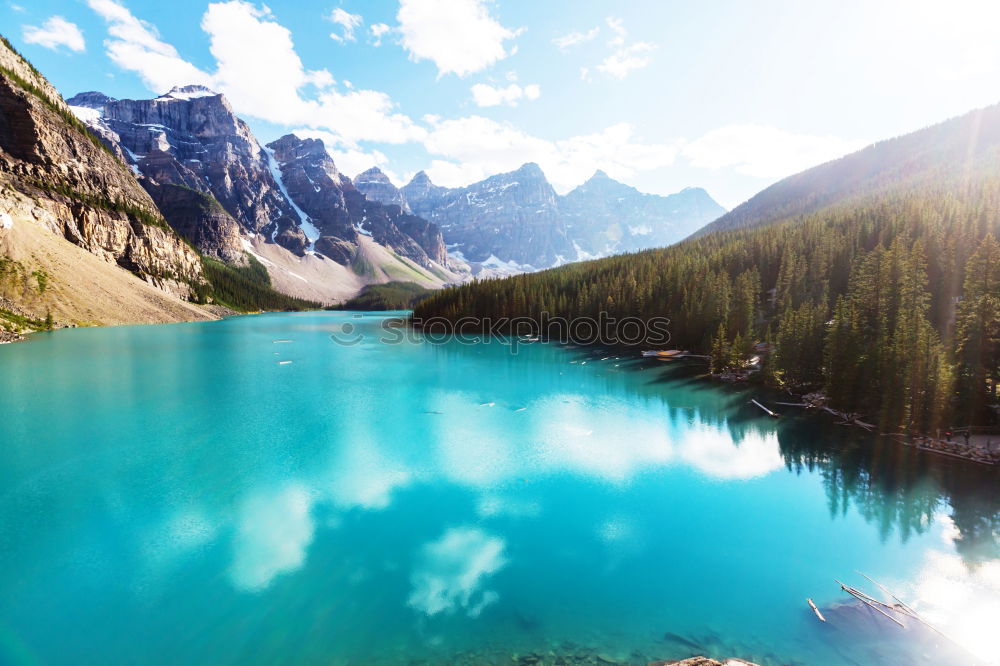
point(86, 114)
point(310, 230)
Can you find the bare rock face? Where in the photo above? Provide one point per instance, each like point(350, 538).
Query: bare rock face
point(339, 211)
point(201, 219)
point(426, 234)
point(423, 195)
point(94, 200)
point(315, 185)
point(376, 186)
point(341, 251)
point(190, 136)
point(511, 216)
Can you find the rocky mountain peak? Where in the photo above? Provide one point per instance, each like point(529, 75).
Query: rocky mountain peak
point(606, 216)
point(339, 212)
point(191, 137)
point(602, 182)
point(189, 92)
point(92, 99)
point(528, 185)
point(531, 170)
point(375, 185)
point(509, 217)
point(423, 195)
point(291, 147)
point(421, 178)
point(696, 191)
point(373, 175)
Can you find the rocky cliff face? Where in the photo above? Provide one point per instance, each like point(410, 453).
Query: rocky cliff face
point(606, 217)
point(340, 211)
point(420, 193)
point(81, 190)
point(190, 136)
point(510, 217)
point(376, 186)
point(201, 219)
point(516, 221)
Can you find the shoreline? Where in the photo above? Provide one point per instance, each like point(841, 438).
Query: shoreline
point(217, 312)
point(816, 401)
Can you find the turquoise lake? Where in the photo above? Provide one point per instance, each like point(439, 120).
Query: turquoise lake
point(178, 495)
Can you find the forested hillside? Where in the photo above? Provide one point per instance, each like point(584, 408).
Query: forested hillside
point(952, 151)
point(387, 296)
point(888, 300)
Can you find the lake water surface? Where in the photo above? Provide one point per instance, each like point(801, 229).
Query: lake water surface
point(177, 495)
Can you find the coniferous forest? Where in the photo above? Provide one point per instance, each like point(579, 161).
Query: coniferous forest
point(886, 297)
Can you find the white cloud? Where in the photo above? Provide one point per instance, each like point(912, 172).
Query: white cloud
point(378, 31)
point(764, 152)
point(259, 71)
point(262, 75)
point(471, 148)
point(134, 45)
point(487, 95)
point(458, 36)
point(55, 32)
point(348, 23)
point(256, 64)
point(452, 569)
point(364, 115)
point(627, 59)
point(574, 38)
point(617, 27)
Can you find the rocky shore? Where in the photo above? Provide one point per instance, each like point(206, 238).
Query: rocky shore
point(10, 330)
point(978, 449)
point(9, 336)
point(981, 448)
point(580, 656)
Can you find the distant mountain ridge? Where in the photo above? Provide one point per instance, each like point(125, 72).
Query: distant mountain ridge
point(511, 217)
point(516, 220)
point(607, 217)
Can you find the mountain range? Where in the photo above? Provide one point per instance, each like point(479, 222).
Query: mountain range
point(517, 221)
point(285, 202)
point(291, 194)
point(161, 186)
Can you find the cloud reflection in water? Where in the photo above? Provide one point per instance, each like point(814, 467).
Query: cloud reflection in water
point(601, 437)
point(451, 571)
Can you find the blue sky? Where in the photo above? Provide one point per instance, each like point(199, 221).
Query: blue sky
point(730, 96)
